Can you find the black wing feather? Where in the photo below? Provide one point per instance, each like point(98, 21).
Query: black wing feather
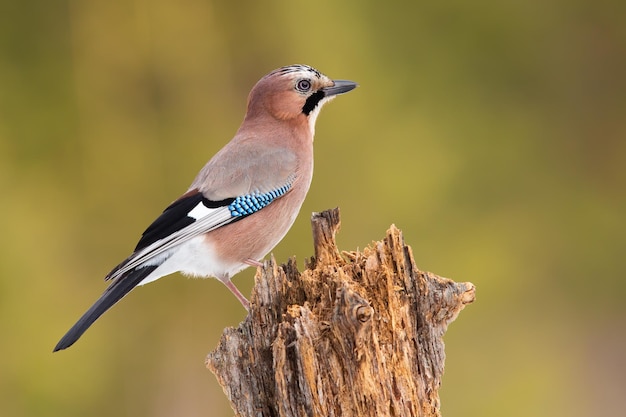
point(175, 217)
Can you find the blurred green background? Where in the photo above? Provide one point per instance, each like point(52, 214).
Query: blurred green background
point(492, 133)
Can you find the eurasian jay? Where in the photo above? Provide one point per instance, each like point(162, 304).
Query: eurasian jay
point(244, 200)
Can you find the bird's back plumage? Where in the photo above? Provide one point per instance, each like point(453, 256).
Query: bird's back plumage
point(242, 202)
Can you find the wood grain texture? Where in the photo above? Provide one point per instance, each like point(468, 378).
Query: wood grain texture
point(354, 334)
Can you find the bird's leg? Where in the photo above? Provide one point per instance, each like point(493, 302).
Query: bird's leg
point(243, 300)
point(252, 262)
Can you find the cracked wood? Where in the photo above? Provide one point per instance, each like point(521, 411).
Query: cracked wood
point(353, 334)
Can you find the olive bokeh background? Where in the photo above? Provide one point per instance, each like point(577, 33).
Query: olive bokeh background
point(492, 133)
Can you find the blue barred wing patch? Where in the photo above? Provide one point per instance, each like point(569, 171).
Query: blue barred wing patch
point(251, 203)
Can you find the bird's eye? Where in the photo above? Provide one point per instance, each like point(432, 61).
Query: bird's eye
point(303, 85)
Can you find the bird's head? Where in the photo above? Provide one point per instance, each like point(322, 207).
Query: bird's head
point(294, 91)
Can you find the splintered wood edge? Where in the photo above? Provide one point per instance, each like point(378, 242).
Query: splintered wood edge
point(325, 226)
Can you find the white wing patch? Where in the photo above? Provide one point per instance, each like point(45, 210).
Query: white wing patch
point(200, 211)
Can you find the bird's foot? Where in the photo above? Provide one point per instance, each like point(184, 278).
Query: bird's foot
point(243, 300)
point(252, 262)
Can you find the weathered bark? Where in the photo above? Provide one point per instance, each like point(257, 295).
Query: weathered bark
point(354, 334)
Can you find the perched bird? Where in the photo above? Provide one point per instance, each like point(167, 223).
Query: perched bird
point(244, 200)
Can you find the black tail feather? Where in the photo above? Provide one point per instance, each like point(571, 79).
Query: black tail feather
point(112, 295)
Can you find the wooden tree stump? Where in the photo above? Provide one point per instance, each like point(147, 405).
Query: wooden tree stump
point(354, 334)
